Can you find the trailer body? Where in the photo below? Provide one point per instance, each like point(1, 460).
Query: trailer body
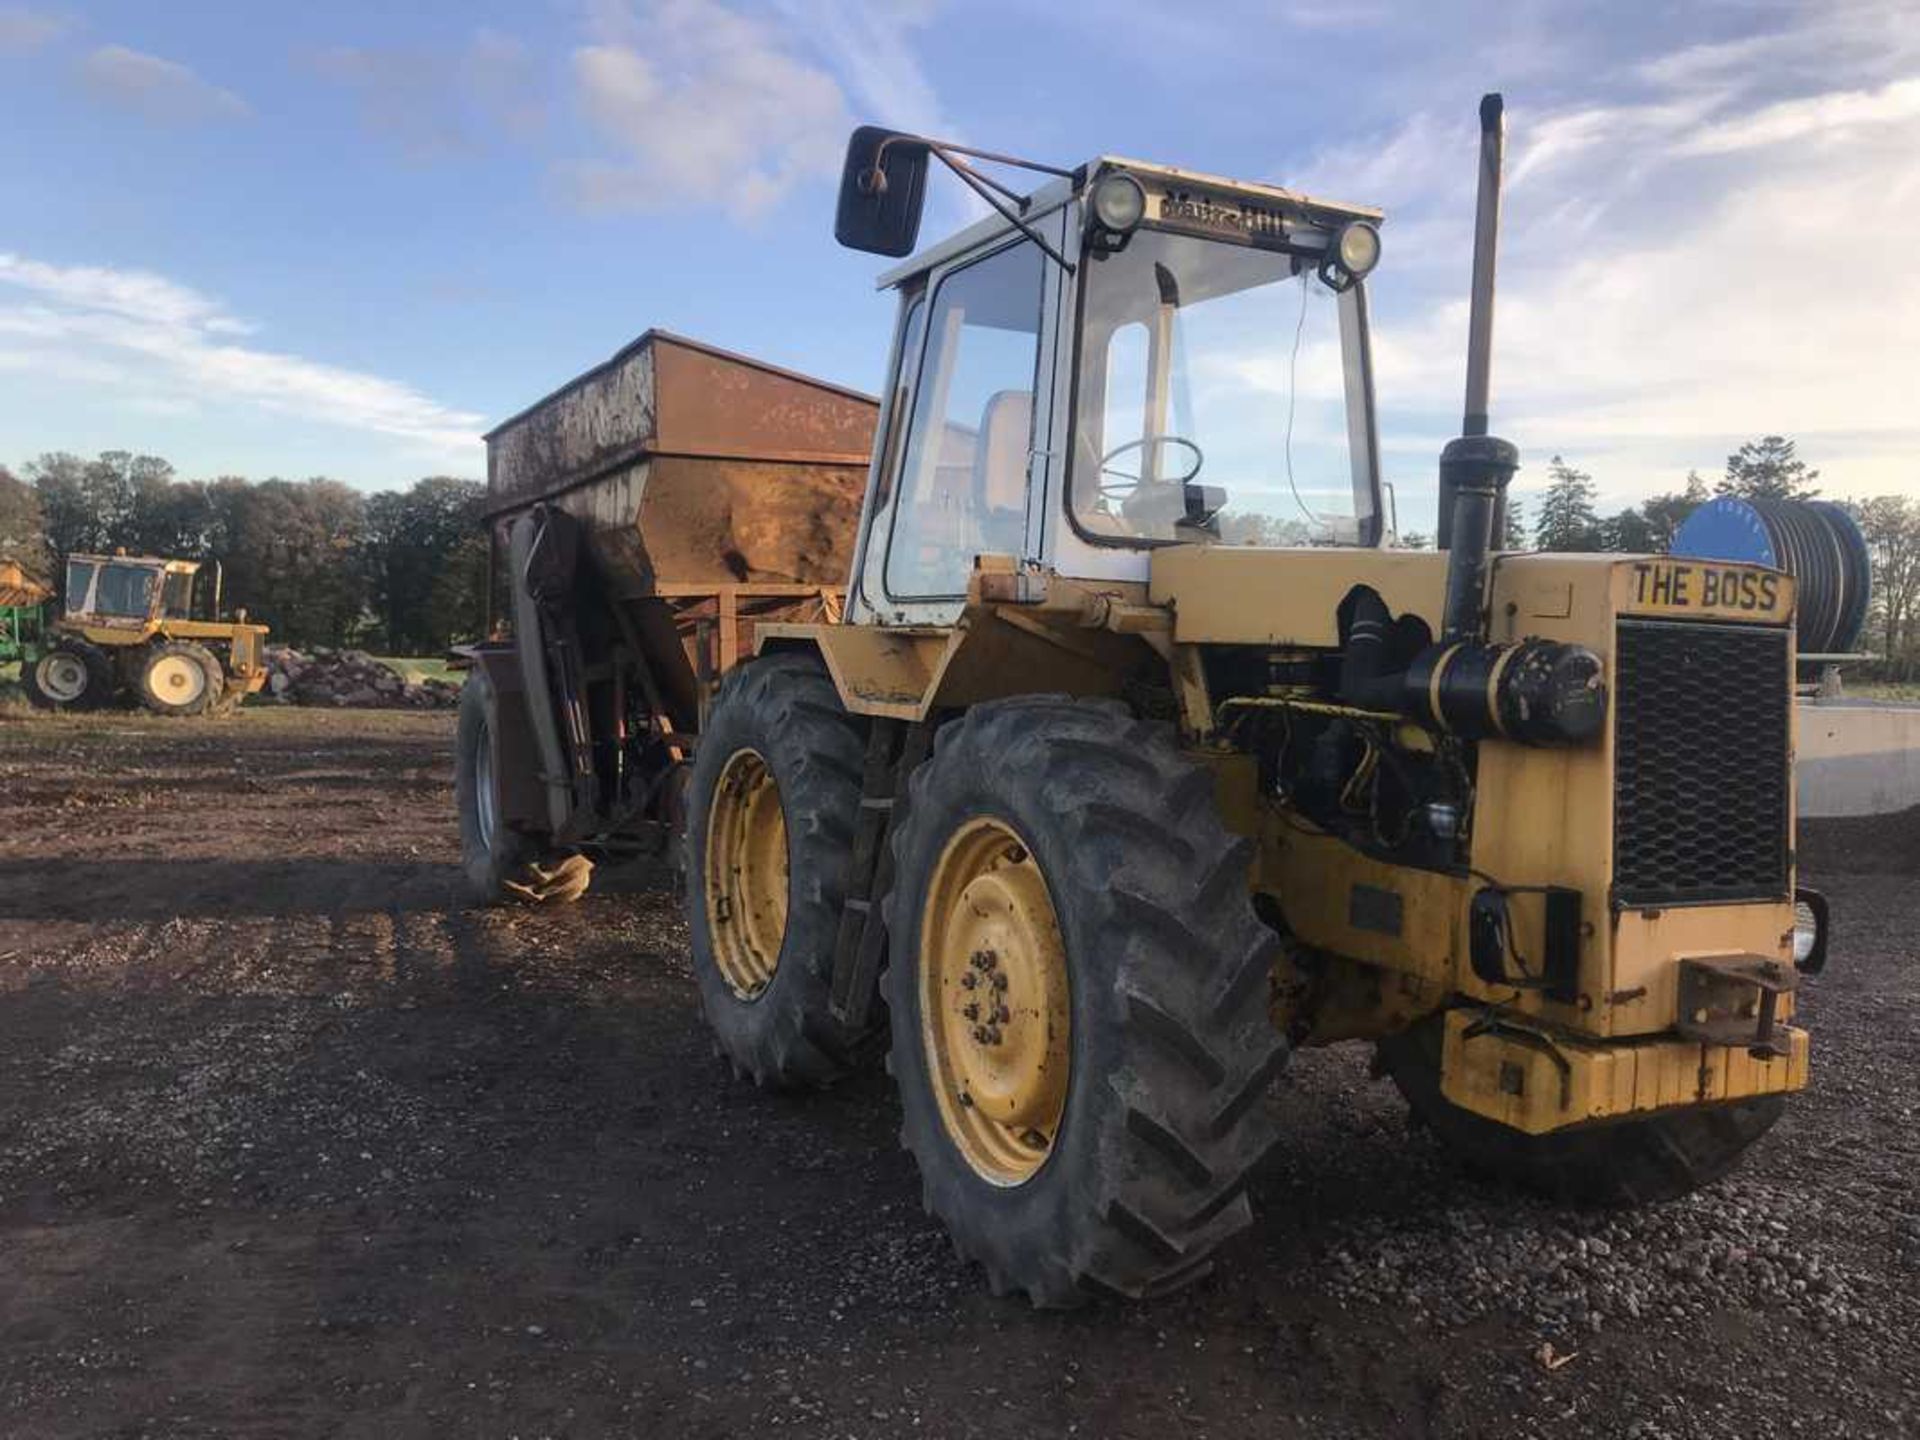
point(663, 505)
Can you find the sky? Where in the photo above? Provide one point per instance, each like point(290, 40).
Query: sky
point(302, 240)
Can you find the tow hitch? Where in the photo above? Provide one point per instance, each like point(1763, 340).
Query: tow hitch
point(1735, 1000)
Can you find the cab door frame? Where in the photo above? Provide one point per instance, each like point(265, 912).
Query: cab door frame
point(868, 602)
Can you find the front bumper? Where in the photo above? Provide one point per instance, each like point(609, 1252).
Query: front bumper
point(1537, 1080)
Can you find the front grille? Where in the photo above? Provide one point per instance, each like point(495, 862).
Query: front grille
point(1700, 787)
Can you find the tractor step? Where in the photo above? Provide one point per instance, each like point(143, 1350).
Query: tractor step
point(894, 749)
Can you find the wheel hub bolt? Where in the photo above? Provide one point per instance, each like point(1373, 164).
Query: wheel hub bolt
point(972, 1012)
point(999, 980)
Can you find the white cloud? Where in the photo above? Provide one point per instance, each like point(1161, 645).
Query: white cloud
point(701, 105)
point(1834, 115)
point(434, 105)
point(23, 31)
point(870, 46)
point(164, 345)
point(1814, 43)
point(1720, 249)
point(157, 89)
point(134, 294)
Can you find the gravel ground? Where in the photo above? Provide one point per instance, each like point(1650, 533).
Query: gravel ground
point(291, 1144)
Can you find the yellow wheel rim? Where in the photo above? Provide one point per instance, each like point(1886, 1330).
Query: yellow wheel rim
point(994, 1002)
point(746, 874)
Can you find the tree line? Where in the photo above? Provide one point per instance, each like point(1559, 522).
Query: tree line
point(405, 572)
point(400, 572)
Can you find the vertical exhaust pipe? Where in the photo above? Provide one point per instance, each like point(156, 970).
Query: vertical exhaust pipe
point(1486, 242)
point(1476, 468)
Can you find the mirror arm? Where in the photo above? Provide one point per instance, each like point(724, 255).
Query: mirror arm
point(938, 146)
point(979, 183)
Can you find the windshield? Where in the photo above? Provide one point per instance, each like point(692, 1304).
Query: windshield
point(125, 590)
point(1214, 380)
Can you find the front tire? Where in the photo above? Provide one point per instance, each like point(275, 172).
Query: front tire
point(178, 678)
point(1056, 832)
point(771, 811)
point(1616, 1163)
point(502, 866)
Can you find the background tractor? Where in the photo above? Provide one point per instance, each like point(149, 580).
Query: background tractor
point(1088, 817)
point(128, 633)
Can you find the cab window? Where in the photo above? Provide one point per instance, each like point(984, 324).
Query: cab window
point(963, 485)
point(125, 590)
point(80, 584)
point(899, 408)
point(179, 595)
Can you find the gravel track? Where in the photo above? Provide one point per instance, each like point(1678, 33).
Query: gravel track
point(291, 1144)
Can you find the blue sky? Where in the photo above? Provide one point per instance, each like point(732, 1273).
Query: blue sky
point(341, 239)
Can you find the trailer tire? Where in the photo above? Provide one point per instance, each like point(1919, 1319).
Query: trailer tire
point(502, 866)
point(771, 811)
point(1616, 1163)
point(47, 680)
point(1046, 835)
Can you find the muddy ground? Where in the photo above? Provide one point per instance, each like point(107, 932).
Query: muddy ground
point(292, 1144)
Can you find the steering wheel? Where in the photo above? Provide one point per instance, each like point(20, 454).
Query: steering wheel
point(1124, 484)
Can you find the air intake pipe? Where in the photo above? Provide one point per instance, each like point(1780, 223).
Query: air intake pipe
point(1536, 692)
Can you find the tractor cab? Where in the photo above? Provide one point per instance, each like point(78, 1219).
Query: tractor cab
point(1130, 357)
point(116, 589)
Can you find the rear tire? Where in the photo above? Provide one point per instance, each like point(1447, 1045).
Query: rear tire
point(178, 678)
point(71, 675)
point(776, 786)
point(1169, 1048)
point(1616, 1163)
point(502, 865)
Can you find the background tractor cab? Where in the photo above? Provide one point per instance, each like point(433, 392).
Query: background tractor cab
point(117, 589)
point(1149, 356)
point(145, 628)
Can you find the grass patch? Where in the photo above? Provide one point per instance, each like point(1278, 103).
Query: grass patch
point(415, 668)
point(1881, 689)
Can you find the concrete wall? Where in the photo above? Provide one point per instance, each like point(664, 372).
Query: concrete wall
point(1858, 759)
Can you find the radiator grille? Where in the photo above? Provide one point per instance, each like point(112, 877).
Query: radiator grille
point(1700, 799)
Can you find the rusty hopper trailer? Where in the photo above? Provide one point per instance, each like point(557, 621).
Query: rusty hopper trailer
point(650, 515)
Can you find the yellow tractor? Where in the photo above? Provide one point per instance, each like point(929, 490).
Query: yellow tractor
point(1136, 756)
point(128, 632)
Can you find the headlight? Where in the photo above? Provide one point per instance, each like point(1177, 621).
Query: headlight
point(1357, 248)
point(1119, 202)
point(1809, 931)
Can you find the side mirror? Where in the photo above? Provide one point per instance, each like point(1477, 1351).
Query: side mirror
point(883, 188)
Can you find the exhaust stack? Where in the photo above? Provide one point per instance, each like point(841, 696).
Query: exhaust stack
point(1476, 468)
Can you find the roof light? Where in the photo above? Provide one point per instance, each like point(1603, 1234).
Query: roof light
point(1119, 202)
point(1358, 246)
point(1354, 252)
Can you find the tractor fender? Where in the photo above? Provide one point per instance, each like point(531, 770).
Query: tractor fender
point(907, 672)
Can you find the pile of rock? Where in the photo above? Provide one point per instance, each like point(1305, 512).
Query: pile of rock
point(348, 678)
